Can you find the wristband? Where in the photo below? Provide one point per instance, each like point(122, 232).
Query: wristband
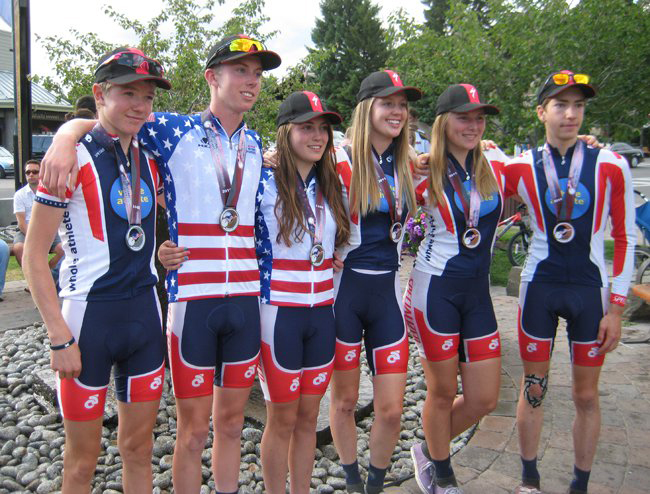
point(617, 299)
point(62, 346)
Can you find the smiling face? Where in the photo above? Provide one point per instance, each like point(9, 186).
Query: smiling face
point(388, 116)
point(464, 131)
point(123, 108)
point(236, 84)
point(308, 141)
point(562, 116)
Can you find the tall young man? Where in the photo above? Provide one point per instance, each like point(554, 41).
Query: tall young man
point(570, 190)
point(211, 165)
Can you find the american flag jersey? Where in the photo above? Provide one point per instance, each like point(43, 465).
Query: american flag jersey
point(441, 252)
point(287, 275)
point(220, 264)
point(98, 265)
point(605, 189)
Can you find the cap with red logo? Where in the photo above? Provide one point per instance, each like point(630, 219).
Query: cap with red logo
point(124, 65)
point(303, 106)
point(384, 83)
point(462, 98)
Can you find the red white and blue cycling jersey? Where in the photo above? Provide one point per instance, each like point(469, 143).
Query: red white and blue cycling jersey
point(288, 278)
point(605, 189)
point(220, 264)
point(98, 265)
point(441, 251)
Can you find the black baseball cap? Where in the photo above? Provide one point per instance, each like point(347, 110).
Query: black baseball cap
point(384, 83)
point(462, 98)
point(303, 106)
point(124, 65)
point(239, 46)
point(563, 80)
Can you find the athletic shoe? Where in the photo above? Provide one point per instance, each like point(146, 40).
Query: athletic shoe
point(450, 489)
point(527, 489)
point(425, 472)
point(355, 488)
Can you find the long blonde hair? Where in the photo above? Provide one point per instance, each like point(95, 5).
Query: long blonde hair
point(486, 184)
point(364, 189)
point(291, 219)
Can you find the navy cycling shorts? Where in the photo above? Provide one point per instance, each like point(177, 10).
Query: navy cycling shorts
point(213, 340)
point(122, 334)
point(297, 351)
point(540, 306)
point(369, 307)
point(451, 316)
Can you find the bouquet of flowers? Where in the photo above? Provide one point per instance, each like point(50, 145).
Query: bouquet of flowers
point(415, 232)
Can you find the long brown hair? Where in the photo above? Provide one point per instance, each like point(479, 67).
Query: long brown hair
point(291, 219)
point(486, 184)
point(364, 189)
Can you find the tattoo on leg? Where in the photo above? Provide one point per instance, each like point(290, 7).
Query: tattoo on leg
point(531, 380)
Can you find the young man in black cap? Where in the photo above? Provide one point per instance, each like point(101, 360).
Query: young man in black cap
point(570, 190)
point(110, 315)
point(211, 166)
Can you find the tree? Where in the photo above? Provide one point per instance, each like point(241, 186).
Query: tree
point(350, 44)
point(435, 13)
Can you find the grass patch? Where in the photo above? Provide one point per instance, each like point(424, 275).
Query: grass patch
point(14, 271)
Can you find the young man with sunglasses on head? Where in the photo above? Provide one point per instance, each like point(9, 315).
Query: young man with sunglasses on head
point(110, 318)
point(570, 190)
point(211, 165)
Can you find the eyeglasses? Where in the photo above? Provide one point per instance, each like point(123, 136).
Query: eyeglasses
point(141, 64)
point(245, 44)
point(31, 172)
point(562, 79)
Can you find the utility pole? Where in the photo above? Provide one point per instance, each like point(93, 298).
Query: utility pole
point(22, 89)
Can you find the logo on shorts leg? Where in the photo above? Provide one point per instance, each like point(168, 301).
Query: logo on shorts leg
point(320, 379)
point(593, 352)
point(350, 356)
point(156, 383)
point(531, 348)
point(250, 372)
point(198, 380)
point(295, 384)
point(448, 344)
point(92, 402)
point(393, 357)
point(494, 344)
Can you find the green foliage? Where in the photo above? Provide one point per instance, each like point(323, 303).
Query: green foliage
point(507, 48)
point(350, 44)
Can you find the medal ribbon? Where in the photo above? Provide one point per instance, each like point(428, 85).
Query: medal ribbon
point(229, 192)
point(394, 203)
point(130, 190)
point(563, 205)
point(472, 204)
point(316, 222)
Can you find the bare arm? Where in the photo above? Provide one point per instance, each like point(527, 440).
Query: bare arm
point(60, 161)
point(42, 228)
point(22, 224)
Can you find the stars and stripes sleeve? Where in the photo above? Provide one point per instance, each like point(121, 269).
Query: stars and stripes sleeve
point(162, 132)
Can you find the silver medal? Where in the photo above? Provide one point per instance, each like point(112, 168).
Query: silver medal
point(135, 238)
point(471, 238)
point(317, 254)
point(396, 232)
point(229, 220)
point(564, 232)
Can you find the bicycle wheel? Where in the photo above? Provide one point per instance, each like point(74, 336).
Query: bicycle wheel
point(641, 253)
point(518, 248)
point(643, 273)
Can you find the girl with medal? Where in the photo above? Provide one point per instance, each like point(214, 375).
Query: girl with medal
point(378, 192)
point(110, 318)
point(448, 309)
point(300, 218)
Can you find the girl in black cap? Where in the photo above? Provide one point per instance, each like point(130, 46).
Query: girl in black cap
point(300, 220)
point(378, 191)
point(447, 305)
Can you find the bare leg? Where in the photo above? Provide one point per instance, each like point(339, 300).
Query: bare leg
point(303, 444)
point(345, 393)
point(280, 423)
point(82, 446)
point(586, 426)
point(529, 418)
point(388, 400)
point(135, 442)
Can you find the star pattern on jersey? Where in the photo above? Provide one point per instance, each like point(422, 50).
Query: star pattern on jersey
point(263, 246)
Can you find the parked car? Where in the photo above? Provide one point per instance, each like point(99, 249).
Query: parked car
point(633, 155)
point(6, 163)
point(40, 144)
